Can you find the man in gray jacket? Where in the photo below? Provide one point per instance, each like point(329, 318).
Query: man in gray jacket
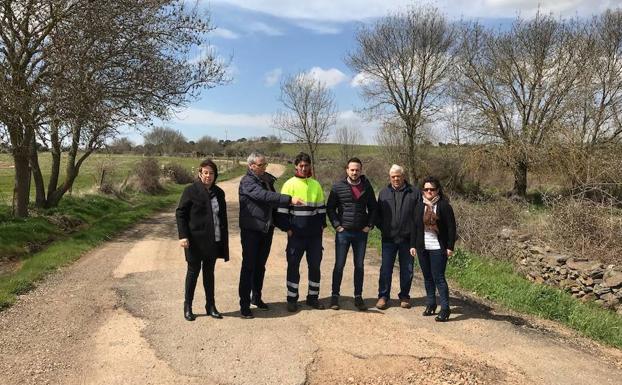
point(394, 216)
point(258, 204)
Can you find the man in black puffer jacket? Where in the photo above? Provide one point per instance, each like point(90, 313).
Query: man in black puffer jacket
point(350, 208)
point(258, 204)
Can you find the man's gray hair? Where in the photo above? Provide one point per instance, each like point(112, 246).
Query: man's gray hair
point(396, 168)
point(252, 158)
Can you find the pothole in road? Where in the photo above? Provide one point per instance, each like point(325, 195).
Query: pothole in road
point(342, 368)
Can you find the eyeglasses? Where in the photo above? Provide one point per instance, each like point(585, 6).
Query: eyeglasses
point(261, 164)
point(429, 189)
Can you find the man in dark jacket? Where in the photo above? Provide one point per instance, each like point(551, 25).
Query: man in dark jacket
point(350, 208)
point(258, 204)
point(394, 217)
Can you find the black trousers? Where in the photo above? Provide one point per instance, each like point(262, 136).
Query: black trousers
point(192, 275)
point(296, 247)
point(255, 251)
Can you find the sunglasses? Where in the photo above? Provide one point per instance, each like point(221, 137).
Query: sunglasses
point(429, 189)
point(261, 164)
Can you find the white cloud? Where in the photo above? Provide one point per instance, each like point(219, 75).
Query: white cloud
point(199, 117)
point(225, 33)
point(264, 28)
point(319, 28)
point(356, 10)
point(330, 77)
point(367, 129)
point(361, 79)
point(273, 77)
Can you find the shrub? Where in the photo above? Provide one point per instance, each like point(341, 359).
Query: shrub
point(145, 176)
point(177, 173)
point(586, 228)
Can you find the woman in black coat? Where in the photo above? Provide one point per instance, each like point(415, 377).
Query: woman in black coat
point(432, 240)
point(202, 226)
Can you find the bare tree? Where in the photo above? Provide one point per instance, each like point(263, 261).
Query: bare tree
point(518, 83)
point(165, 140)
point(595, 117)
point(405, 59)
point(310, 111)
point(348, 139)
point(71, 71)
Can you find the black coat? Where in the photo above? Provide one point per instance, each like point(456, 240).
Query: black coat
point(343, 210)
point(195, 221)
point(446, 226)
point(259, 201)
point(396, 227)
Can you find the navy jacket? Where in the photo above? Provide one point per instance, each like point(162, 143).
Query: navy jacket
point(259, 201)
point(195, 221)
point(446, 226)
point(396, 226)
point(352, 214)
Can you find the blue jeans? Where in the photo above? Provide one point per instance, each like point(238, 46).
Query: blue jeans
point(433, 264)
point(343, 240)
point(389, 251)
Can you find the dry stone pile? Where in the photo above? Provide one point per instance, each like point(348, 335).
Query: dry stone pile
point(586, 279)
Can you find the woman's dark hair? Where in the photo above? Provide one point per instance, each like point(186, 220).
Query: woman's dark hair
point(209, 163)
point(302, 157)
point(434, 181)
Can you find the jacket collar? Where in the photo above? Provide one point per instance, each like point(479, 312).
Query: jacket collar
point(407, 187)
point(271, 178)
point(363, 180)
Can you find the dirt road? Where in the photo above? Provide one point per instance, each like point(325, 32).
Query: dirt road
point(115, 317)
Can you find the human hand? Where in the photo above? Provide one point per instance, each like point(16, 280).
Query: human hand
point(290, 233)
point(366, 229)
point(413, 252)
point(339, 229)
point(297, 201)
point(449, 253)
point(184, 243)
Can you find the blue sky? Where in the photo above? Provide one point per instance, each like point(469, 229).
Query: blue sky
point(270, 39)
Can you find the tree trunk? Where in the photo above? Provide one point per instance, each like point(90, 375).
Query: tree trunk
point(36, 175)
point(520, 179)
point(21, 190)
point(411, 156)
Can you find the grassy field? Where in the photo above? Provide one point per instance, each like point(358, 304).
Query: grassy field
point(117, 169)
point(101, 218)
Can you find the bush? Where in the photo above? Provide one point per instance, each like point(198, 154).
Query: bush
point(145, 176)
point(479, 225)
point(586, 228)
point(177, 173)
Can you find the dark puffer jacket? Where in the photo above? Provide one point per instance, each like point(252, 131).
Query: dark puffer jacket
point(259, 201)
point(343, 210)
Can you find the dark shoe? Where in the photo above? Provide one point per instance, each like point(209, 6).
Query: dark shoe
point(188, 315)
point(260, 304)
point(443, 315)
point(212, 311)
point(359, 303)
point(429, 310)
point(246, 313)
point(292, 307)
point(315, 303)
point(334, 302)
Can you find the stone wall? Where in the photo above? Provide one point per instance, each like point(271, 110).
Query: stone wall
point(588, 280)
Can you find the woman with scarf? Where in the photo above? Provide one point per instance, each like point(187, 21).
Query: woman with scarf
point(432, 240)
point(202, 226)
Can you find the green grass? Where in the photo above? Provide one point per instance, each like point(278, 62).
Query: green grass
point(103, 217)
point(119, 166)
point(496, 280)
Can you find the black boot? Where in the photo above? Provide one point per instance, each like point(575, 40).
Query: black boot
point(443, 315)
point(429, 310)
point(212, 311)
point(188, 315)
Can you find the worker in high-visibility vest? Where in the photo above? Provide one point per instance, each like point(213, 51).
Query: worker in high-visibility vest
point(304, 225)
